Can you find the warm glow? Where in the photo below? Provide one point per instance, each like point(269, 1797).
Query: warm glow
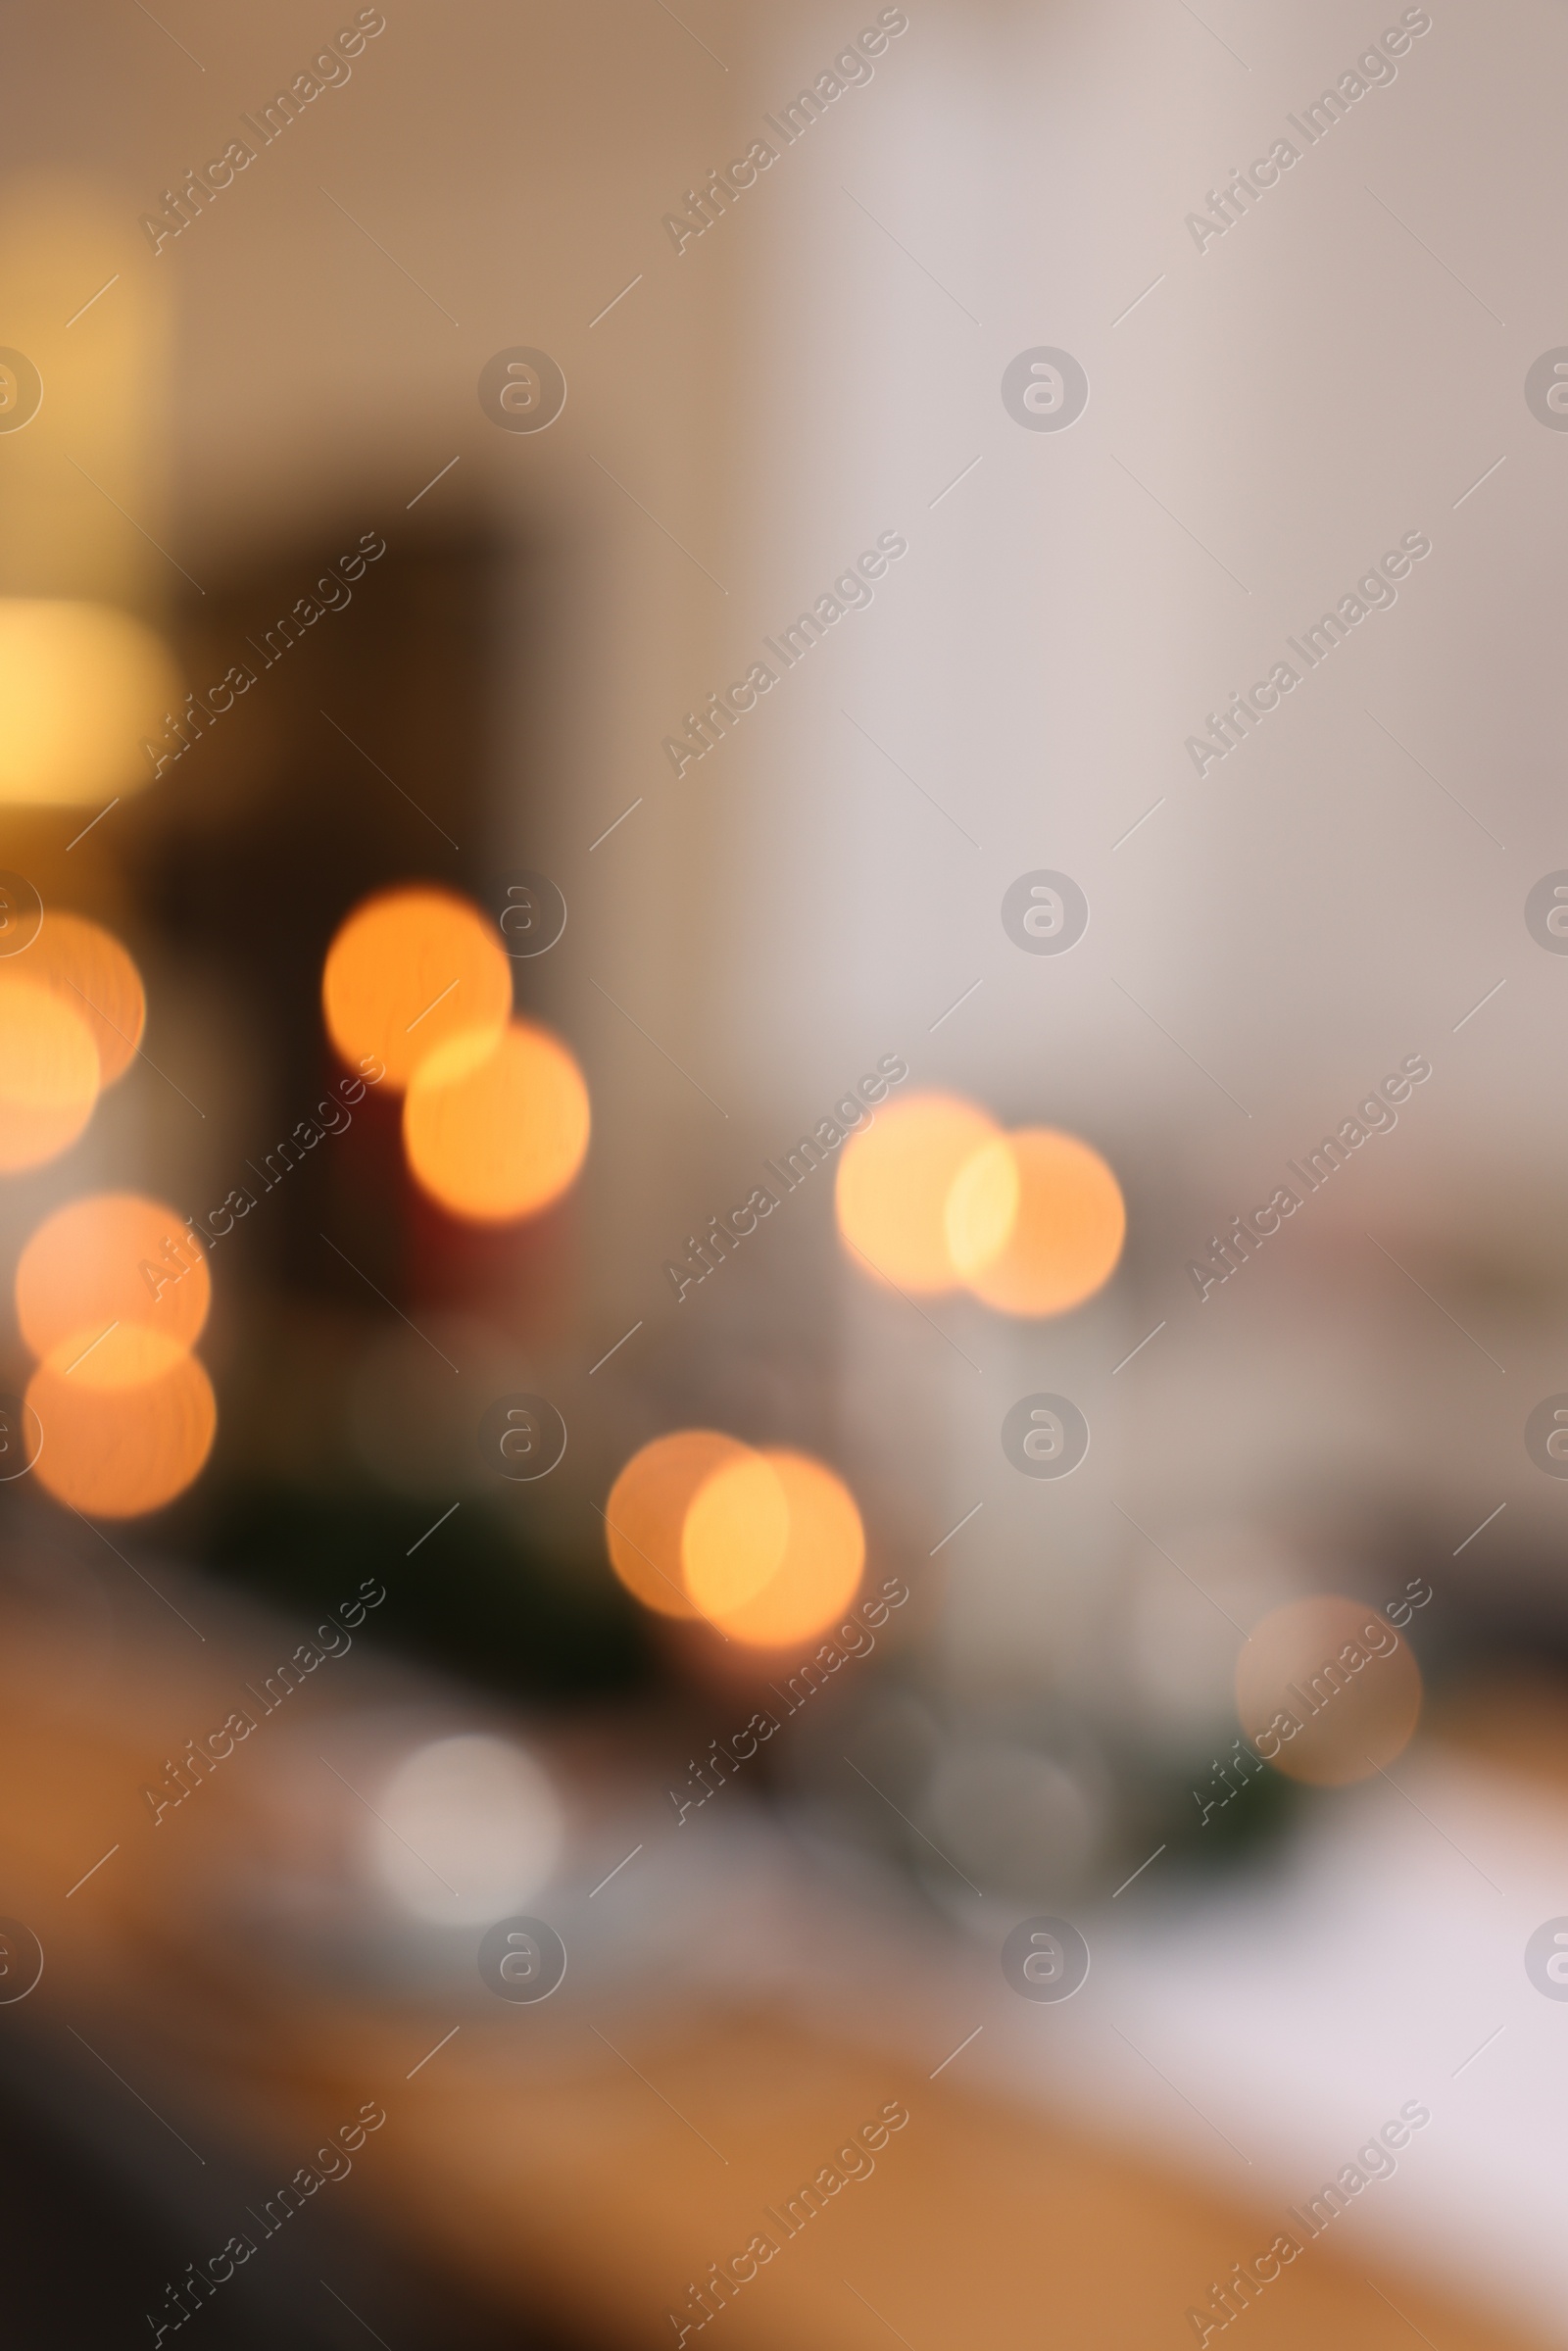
point(411, 970)
point(766, 1545)
point(893, 1185)
point(113, 1451)
point(1327, 1691)
point(48, 1073)
point(499, 1138)
point(82, 687)
point(111, 1259)
point(736, 1535)
point(125, 1354)
point(646, 1513)
point(1035, 1222)
point(822, 1556)
point(88, 968)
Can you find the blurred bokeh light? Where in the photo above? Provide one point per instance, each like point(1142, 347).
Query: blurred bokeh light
point(112, 1293)
point(1035, 1222)
point(49, 1073)
point(766, 1544)
point(735, 1536)
point(82, 690)
point(119, 1445)
point(465, 1829)
point(645, 1514)
point(89, 969)
point(110, 1258)
point(71, 1015)
point(411, 970)
point(497, 1131)
point(774, 1549)
point(894, 1182)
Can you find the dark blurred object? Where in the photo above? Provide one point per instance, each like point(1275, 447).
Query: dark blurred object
point(361, 757)
point(477, 1597)
point(84, 2171)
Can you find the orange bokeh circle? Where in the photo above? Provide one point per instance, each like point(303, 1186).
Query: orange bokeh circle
point(736, 1535)
point(114, 1451)
point(49, 1073)
point(1035, 1222)
point(112, 1259)
point(411, 970)
point(495, 1136)
point(645, 1514)
point(754, 1589)
point(86, 966)
point(893, 1184)
point(1327, 1691)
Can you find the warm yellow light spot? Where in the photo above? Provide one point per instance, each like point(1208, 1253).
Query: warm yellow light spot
point(117, 1451)
point(112, 1258)
point(409, 972)
point(893, 1185)
point(646, 1513)
point(82, 687)
point(497, 1139)
point(88, 968)
point(118, 1355)
point(736, 1535)
point(48, 1073)
point(823, 1555)
point(1035, 1222)
point(982, 1206)
point(1327, 1691)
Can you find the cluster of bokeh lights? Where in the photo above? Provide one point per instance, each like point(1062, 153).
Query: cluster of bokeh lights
point(112, 1293)
point(936, 1197)
point(494, 1112)
point(765, 1546)
point(112, 1289)
point(71, 1014)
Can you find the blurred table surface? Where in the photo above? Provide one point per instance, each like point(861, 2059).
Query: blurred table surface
point(590, 2175)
